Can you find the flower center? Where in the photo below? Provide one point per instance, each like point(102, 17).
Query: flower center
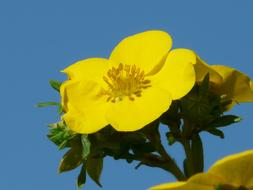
point(125, 81)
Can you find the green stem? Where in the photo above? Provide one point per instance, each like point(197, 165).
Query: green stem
point(172, 167)
point(169, 164)
point(189, 156)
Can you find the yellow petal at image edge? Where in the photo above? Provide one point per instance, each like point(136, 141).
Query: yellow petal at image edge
point(236, 169)
point(145, 50)
point(177, 74)
point(168, 186)
point(86, 107)
point(128, 115)
point(200, 181)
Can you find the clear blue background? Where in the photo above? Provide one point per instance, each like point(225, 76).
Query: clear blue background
point(39, 38)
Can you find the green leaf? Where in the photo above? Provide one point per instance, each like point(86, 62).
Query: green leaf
point(46, 104)
point(60, 109)
point(71, 160)
point(60, 134)
point(197, 153)
point(224, 121)
point(216, 132)
point(85, 146)
point(94, 169)
point(81, 177)
point(55, 84)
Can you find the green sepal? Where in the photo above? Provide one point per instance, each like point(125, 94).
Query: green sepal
point(81, 179)
point(224, 120)
point(197, 153)
point(172, 116)
point(94, 169)
point(196, 108)
point(216, 132)
point(55, 84)
point(60, 134)
point(46, 104)
point(71, 160)
point(85, 146)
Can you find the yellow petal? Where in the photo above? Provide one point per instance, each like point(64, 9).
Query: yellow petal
point(64, 97)
point(86, 107)
point(206, 179)
point(202, 69)
point(177, 74)
point(197, 182)
point(89, 69)
point(145, 50)
point(168, 186)
point(235, 169)
point(236, 85)
point(131, 115)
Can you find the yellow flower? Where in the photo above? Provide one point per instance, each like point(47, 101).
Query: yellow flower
point(130, 89)
point(233, 172)
point(227, 81)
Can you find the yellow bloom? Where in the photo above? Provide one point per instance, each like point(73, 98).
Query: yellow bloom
point(227, 81)
point(130, 89)
point(230, 173)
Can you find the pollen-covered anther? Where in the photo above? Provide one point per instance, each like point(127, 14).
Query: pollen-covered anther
point(125, 81)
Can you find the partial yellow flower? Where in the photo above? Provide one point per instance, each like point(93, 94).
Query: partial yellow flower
point(230, 173)
point(227, 81)
point(130, 89)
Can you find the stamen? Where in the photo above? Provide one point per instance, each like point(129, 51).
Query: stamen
point(125, 80)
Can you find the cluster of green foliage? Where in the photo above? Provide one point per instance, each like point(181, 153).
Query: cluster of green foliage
point(199, 111)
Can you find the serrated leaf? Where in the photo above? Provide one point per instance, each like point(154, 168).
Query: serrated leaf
point(94, 169)
point(216, 132)
point(46, 104)
point(85, 146)
point(71, 160)
point(55, 84)
point(82, 176)
point(224, 121)
point(197, 153)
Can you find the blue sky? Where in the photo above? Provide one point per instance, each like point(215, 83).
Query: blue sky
point(39, 38)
